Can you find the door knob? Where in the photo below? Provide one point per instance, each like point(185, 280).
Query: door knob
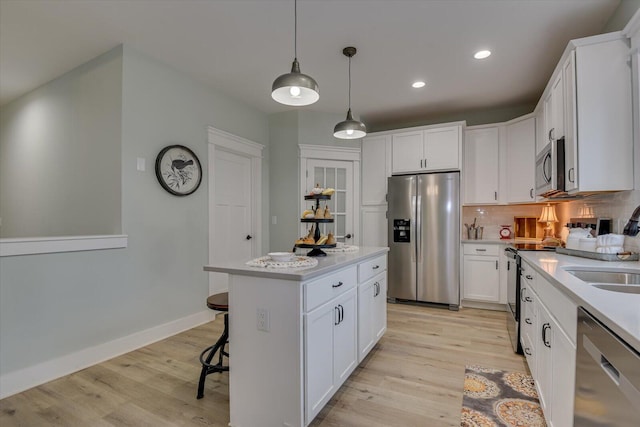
point(348, 236)
point(249, 237)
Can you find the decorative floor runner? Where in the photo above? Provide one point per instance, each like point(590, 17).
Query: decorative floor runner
point(494, 398)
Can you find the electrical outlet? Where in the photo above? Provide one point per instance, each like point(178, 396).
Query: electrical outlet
point(262, 319)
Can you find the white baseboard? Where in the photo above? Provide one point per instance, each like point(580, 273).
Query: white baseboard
point(23, 379)
point(484, 305)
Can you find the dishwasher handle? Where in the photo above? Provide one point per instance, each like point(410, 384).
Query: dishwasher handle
point(624, 384)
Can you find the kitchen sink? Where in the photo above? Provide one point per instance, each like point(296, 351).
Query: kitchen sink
point(619, 277)
point(628, 289)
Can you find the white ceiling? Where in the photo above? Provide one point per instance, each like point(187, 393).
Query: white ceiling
point(239, 47)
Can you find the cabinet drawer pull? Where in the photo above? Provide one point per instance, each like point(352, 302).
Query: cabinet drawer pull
point(528, 276)
point(527, 321)
point(481, 250)
point(377, 289)
point(375, 267)
point(336, 311)
point(495, 195)
point(531, 193)
point(338, 285)
point(528, 299)
point(574, 178)
point(496, 264)
point(527, 351)
point(545, 328)
point(421, 163)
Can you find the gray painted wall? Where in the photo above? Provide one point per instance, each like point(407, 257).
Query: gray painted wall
point(60, 154)
point(56, 304)
point(286, 131)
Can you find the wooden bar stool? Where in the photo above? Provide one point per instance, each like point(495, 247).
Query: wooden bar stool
point(217, 302)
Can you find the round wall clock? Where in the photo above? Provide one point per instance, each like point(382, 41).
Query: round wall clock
point(178, 170)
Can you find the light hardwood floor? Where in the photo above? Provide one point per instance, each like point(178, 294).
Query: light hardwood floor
point(413, 377)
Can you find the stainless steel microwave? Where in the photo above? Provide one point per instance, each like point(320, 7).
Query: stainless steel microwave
point(550, 169)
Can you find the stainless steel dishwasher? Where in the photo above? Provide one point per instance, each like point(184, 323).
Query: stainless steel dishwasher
point(607, 377)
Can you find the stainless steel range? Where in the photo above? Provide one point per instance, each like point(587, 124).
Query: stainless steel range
point(513, 288)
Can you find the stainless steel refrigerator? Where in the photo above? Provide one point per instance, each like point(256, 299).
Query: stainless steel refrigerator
point(424, 238)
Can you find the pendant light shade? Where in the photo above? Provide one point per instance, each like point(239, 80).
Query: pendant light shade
point(295, 88)
point(349, 128)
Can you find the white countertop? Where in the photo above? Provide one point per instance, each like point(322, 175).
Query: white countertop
point(619, 311)
point(328, 264)
point(497, 241)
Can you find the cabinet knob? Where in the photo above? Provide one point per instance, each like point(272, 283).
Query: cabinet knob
point(527, 351)
point(527, 321)
point(530, 277)
point(375, 267)
point(249, 237)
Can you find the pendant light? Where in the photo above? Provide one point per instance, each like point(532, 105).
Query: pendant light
point(295, 88)
point(350, 128)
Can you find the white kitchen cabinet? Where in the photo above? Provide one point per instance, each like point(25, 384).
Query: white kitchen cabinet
point(372, 313)
point(481, 165)
point(553, 107)
point(481, 272)
point(588, 101)
point(331, 348)
point(425, 150)
point(373, 220)
point(570, 139)
point(548, 334)
point(520, 164)
point(376, 168)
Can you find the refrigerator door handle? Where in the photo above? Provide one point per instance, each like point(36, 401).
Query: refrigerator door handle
point(413, 233)
point(418, 228)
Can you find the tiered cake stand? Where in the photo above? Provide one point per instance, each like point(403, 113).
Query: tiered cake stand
point(316, 249)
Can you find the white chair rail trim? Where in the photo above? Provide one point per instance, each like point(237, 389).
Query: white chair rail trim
point(47, 245)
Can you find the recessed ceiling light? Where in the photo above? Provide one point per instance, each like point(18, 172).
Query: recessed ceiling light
point(481, 54)
point(418, 84)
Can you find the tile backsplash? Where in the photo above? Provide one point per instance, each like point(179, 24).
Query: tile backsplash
point(618, 206)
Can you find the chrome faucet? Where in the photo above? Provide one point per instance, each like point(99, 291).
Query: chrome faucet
point(631, 229)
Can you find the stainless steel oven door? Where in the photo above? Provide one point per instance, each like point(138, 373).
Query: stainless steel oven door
point(513, 298)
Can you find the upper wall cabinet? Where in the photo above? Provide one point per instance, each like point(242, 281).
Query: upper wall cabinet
point(588, 102)
point(520, 164)
point(432, 149)
point(376, 168)
point(481, 165)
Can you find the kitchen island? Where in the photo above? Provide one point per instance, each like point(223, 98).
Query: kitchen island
point(296, 335)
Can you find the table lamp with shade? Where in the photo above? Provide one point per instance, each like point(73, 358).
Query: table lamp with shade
point(549, 216)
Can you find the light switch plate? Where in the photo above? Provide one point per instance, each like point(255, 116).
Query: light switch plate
point(141, 164)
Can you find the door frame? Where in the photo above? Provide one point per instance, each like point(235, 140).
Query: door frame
point(219, 140)
point(327, 152)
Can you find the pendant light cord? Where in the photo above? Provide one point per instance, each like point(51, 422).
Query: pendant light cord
point(349, 82)
point(295, 29)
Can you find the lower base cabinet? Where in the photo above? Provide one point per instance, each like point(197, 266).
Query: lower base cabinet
point(372, 313)
point(548, 340)
point(481, 280)
point(330, 348)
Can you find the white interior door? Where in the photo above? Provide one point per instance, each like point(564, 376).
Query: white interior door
point(336, 174)
point(232, 207)
point(235, 202)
